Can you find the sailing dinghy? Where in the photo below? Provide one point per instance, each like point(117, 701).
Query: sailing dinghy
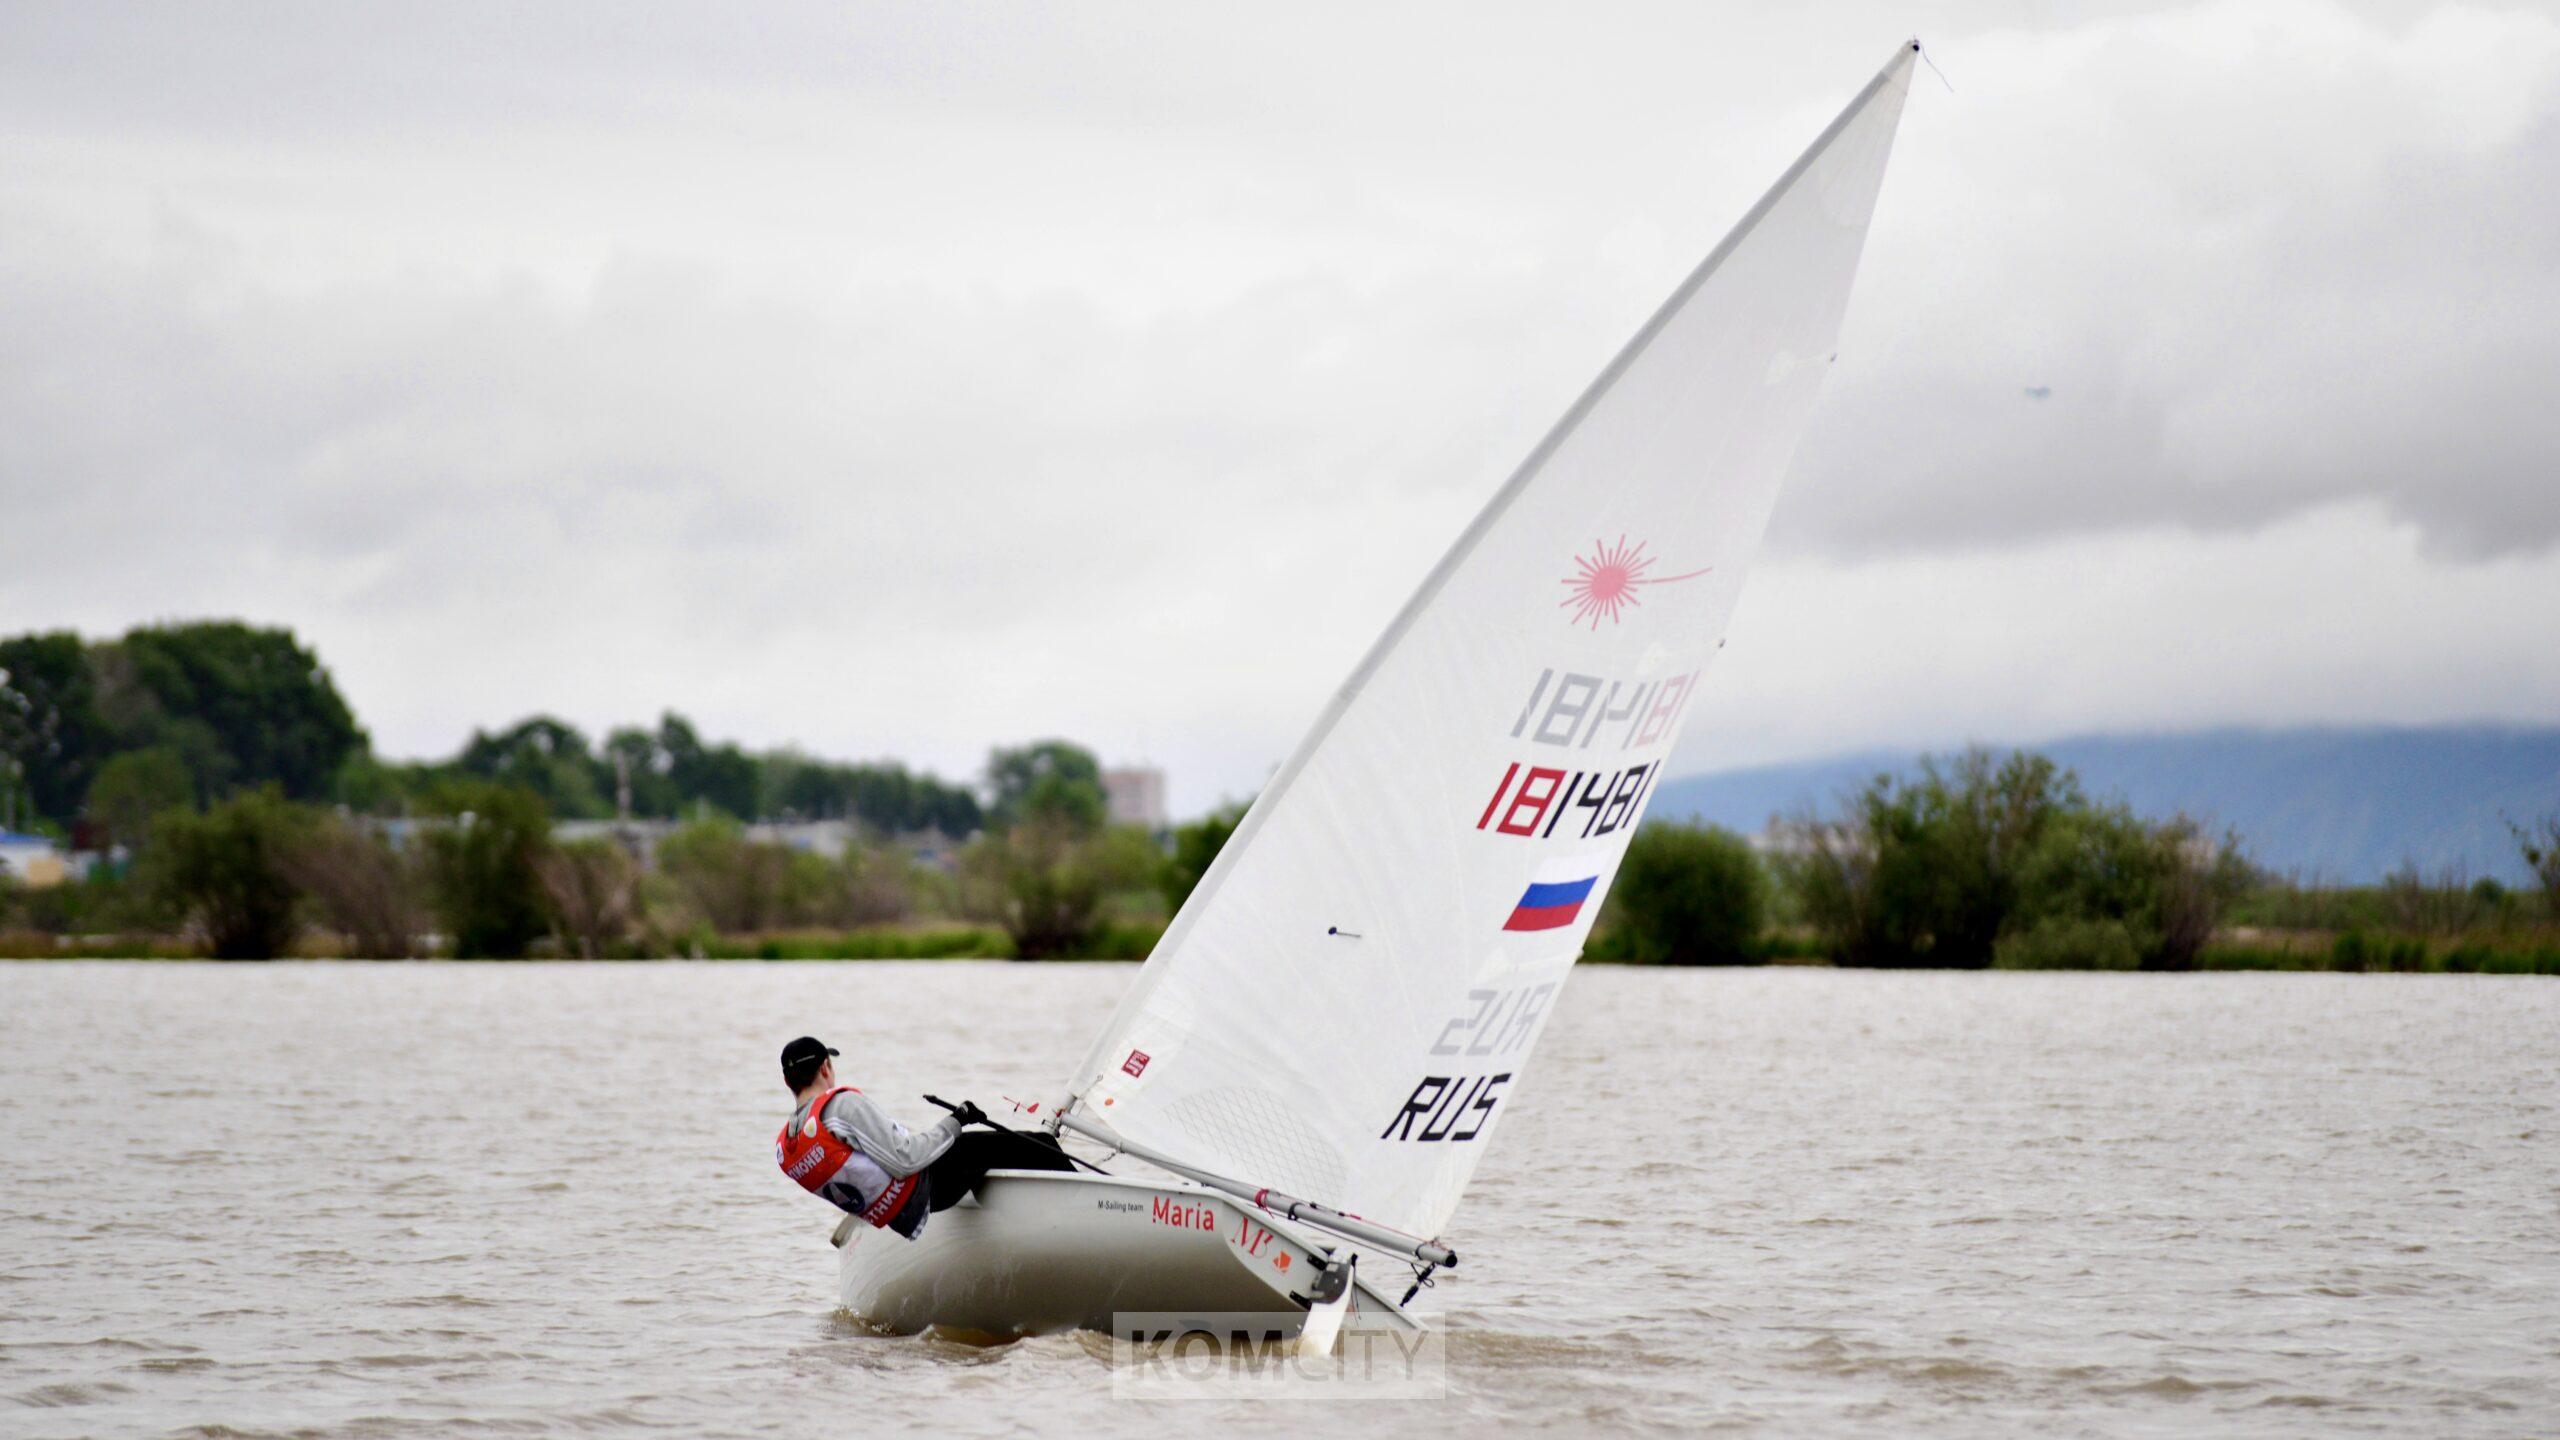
point(1321, 1049)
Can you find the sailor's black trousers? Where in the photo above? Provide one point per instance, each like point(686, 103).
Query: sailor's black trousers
point(961, 1169)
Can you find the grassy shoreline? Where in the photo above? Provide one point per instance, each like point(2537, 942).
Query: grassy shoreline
point(2244, 949)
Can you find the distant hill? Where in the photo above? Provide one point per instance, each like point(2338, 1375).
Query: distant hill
point(2341, 805)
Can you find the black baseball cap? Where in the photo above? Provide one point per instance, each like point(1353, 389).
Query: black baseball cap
point(801, 1059)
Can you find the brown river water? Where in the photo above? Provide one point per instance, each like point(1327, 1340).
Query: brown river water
point(540, 1199)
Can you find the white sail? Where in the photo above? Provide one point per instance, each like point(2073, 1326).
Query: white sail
point(1345, 1008)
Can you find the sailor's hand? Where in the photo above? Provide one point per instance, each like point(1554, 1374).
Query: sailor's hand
point(969, 1114)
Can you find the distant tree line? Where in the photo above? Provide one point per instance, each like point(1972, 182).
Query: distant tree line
point(222, 761)
point(475, 868)
point(479, 874)
point(1979, 860)
point(97, 737)
point(671, 772)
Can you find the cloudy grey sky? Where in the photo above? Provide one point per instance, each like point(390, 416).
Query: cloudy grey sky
point(900, 380)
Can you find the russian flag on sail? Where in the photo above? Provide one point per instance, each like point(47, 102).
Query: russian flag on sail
point(1556, 893)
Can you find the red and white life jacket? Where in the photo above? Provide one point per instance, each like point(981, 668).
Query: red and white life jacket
point(814, 1155)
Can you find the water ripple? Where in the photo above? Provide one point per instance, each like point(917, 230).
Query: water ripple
point(394, 1202)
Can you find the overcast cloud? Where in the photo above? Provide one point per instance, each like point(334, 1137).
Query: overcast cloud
point(908, 380)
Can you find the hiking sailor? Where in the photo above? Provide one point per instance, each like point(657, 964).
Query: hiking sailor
point(844, 1149)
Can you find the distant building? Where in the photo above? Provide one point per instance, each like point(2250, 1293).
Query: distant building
point(809, 837)
point(639, 837)
point(1136, 796)
point(826, 838)
point(30, 860)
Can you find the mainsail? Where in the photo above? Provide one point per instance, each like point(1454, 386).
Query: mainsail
point(1346, 1006)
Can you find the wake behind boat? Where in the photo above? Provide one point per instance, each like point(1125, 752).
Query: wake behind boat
point(1321, 1048)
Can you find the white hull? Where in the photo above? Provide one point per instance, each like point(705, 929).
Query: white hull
point(1045, 1251)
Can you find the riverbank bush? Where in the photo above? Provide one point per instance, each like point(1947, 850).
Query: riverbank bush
point(42, 945)
point(229, 871)
point(1948, 866)
point(921, 942)
point(364, 889)
point(482, 868)
point(2362, 952)
point(1050, 867)
point(735, 884)
point(593, 889)
point(2060, 943)
point(1685, 895)
point(2485, 960)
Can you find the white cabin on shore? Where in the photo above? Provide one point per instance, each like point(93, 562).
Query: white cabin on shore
point(31, 860)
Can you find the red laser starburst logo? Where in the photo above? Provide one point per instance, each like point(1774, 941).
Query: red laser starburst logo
point(1605, 581)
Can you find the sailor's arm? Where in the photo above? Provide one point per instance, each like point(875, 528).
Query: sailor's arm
point(898, 1150)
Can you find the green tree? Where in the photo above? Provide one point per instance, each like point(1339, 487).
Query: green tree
point(132, 789)
point(633, 761)
point(1982, 860)
point(372, 786)
point(722, 777)
point(1195, 849)
point(229, 871)
point(950, 809)
point(1045, 880)
point(548, 757)
point(1928, 870)
point(481, 867)
point(799, 787)
point(884, 798)
point(671, 772)
point(52, 738)
point(1050, 778)
point(245, 706)
point(2162, 887)
point(1688, 895)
